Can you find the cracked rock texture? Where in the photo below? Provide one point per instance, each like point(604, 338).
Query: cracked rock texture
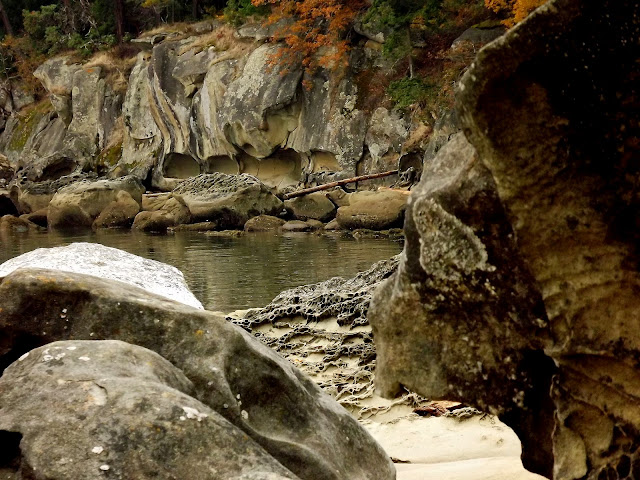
point(323, 330)
point(232, 373)
point(551, 109)
point(96, 409)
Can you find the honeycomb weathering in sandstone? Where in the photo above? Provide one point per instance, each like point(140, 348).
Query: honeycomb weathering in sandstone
point(216, 184)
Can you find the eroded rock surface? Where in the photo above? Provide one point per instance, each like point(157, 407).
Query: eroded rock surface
point(127, 412)
point(379, 210)
point(550, 109)
point(228, 200)
point(232, 373)
point(461, 282)
point(82, 203)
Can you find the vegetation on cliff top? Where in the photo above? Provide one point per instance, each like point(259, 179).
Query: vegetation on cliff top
point(319, 33)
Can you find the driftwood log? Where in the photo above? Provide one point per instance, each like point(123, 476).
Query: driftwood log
point(338, 183)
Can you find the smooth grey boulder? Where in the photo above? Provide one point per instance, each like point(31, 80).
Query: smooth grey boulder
point(379, 210)
point(229, 200)
point(109, 263)
point(90, 409)
point(81, 203)
point(232, 373)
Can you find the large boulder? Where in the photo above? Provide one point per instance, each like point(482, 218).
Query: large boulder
point(462, 281)
point(110, 263)
point(81, 203)
point(229, 200)
point(557, 128)
point(127, 412)
point(377, 210)
point(548, 108)
point(232, 373)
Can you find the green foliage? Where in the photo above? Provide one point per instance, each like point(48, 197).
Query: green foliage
point(237, 11)
point(410, 91)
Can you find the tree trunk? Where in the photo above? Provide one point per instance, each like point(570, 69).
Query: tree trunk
point(119, 14)
point(5, 20)
point(194, 9)
point(410, 51)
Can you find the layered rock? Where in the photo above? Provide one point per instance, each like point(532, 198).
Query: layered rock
point(460, 282)
point(129, 397)
point(232, 373)
point(549, 109)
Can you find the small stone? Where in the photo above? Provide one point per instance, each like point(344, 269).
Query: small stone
point(98, 450)
point(84, 359)
point(105, 468)
point(244, 414)
point(22, 357)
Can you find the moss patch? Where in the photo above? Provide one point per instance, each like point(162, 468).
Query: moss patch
point(28, 119)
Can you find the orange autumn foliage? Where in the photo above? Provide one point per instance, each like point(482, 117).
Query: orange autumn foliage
point(314, 30)
point(516, 9)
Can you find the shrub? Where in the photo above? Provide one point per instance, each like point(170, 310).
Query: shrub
point(410, 91)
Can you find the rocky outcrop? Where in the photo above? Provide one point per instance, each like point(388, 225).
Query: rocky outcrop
point(460, 282)
point(548, 107)
point(378, 210)
point(228, 200)
point(110, 263)
point(99, 204)
point(233, 374)
point(117, 397)
point(323, 329)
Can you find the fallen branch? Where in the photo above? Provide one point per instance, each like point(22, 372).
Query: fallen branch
point(339, 183)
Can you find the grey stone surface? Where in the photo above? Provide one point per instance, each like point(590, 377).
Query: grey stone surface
point(241, 379)
point(90, 409)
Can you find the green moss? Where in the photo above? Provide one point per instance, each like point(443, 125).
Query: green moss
point(409, 91)
point(26, 125)
point(110, 156)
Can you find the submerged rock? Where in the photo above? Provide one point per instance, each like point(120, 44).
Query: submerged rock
point(127, 412)
point(110, 263)
point(228, 200)
point(232, 373)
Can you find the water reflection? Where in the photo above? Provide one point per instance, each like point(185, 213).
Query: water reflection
point(230, 273)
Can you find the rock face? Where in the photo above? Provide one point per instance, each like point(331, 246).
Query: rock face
point(110, 263)
point(228, 200)
point(130, 397)
point(548, 108)
point(101, 203)
point(241, 379)
point(460, 281)
point(373, 210)
point(162, 214)
point(189, 109)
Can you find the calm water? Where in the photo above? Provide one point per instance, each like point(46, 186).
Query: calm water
point(231, 273)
